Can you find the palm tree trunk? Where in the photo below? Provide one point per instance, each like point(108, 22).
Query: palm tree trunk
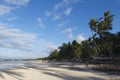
point(108, 48)
point(98, 49)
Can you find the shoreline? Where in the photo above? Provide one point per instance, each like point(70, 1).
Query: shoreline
point(55, 71)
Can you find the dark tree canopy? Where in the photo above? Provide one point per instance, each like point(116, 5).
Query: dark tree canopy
point(103, 43)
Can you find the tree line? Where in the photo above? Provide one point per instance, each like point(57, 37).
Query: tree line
point(103, 43)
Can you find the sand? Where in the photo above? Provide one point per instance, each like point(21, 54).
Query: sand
point(52, 73)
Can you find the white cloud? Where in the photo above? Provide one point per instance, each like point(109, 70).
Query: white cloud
point(69, 31)
point(8, 6)
point(61, 4)
point(80, 38)
point(70, 35)
point(48, 47)
point(11, 18)
point(47, 13)
point(5, 9)
point(57, 6)
point(60, 7)
point(63, 23)
point(15, 38)
point(40, 23)
point(56, 17)
point(17, 2)
point(68, 11)
point(72, 1)
point(66, 1)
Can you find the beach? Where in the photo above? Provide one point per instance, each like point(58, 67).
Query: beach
point(53, 71)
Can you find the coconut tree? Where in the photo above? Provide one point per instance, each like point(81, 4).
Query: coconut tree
point(87, 49)
point(101, 26)
point(76, 49)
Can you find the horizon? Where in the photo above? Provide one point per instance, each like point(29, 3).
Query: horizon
point(32, 29)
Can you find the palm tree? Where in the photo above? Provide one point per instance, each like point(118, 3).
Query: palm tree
point(53, 55)
point(76, 49)
point(101, 26)
point(87, 50)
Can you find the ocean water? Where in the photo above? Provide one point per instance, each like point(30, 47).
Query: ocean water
point(11, 64)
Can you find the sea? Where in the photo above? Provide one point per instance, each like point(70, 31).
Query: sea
point(11, 64)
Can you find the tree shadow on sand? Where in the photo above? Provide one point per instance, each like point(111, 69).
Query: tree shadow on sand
point(16, 75)
point(62, 75)
point(53, 72)
point(69, 77)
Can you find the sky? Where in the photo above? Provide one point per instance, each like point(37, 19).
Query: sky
point(34, 28)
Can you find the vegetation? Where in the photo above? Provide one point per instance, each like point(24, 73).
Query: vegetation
point(103, 43)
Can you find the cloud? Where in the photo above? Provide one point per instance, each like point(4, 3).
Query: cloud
point(58, 6)
point(15, 38)
point(17, 2)
point(68, 11)
point(5, 10)
point(71, 1)
point(69, 31)
point(8, 6)
point(61, 4)
point(80, 38)
point(48, 47)
point(11, 18)
point(47, 13)
point(63, 23)
point(65, 3)
point(40, 23)
point(59, 9)
point(56, 17)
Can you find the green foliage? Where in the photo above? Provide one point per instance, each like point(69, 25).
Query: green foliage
point(103, 43)
point(66, 51)
point(53, 55)
point(100, 27)
point(76, 49)
point(88, 50)
point(103, 24)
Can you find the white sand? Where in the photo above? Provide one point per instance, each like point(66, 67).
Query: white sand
point(51, 73)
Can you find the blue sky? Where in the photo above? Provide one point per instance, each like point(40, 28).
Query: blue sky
point(33, 28)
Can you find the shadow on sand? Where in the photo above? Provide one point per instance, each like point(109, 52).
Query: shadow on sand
point(11, 73)
point(16, 75)
point(51, 72)
point(62, 75)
